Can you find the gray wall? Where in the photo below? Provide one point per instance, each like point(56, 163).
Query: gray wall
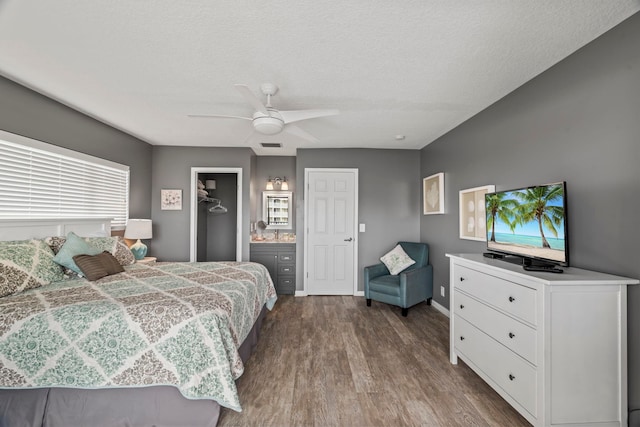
point(172, 169)
point(388, 198)
point(578, 122)
point(27, 113)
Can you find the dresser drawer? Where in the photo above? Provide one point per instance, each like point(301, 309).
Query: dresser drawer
point(515, 299)
point(286, 269)
point(286, 285)
point(510, 372)
point(286, 257)
point(513, 334)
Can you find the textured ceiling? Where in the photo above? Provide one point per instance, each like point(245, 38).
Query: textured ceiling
point(416, 68)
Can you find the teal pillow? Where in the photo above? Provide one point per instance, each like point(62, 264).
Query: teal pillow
point(74, 246)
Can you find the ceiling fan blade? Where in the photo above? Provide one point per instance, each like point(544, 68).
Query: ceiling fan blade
point(296, 131)
point(297, 115)
point(251, 98)
point(216, 116)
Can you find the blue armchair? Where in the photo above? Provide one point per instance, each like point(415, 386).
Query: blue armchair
point(410, 287)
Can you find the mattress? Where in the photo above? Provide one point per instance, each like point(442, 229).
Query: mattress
point(166, 324)
point(160, 406)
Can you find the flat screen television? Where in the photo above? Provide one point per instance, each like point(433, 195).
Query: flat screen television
point(530, 223)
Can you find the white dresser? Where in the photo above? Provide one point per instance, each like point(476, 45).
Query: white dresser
point(552, 345)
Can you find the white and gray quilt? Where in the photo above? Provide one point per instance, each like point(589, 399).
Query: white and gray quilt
point(175, 324)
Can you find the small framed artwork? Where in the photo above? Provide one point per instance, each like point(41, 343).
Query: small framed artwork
point(171, 200)
point(473, 217)
point(433, 194)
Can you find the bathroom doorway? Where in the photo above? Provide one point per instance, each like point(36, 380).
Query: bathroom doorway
point(216, 214)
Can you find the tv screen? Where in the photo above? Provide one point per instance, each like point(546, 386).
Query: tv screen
point(530, 223)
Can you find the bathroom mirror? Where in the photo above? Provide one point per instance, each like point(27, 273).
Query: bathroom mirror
point(277, 209)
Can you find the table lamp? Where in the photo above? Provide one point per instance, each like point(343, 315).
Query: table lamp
point(138, 229)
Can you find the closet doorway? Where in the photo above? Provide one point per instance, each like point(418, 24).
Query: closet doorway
point(216, 214)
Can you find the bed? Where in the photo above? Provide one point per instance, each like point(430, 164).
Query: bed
point(157, 344)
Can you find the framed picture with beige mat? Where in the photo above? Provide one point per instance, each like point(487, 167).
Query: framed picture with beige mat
point(472, 213)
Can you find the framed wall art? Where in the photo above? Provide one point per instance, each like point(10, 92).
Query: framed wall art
point(473, 220)
point(433, 194)
point(170, 200)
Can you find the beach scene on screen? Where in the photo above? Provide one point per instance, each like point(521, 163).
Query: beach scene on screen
point(528, 222)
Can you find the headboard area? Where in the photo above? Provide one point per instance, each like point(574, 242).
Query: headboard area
point(24, 229)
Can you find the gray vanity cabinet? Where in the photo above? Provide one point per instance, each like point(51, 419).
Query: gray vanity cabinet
point(280, 260)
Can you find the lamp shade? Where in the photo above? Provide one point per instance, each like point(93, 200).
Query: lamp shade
point(210, 184)
point(138, 229)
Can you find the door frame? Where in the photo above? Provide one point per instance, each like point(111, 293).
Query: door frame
point(193, 246)
point(305, 275)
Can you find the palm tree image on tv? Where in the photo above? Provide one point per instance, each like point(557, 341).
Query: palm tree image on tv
point(528, 222)
point(538, 205)
point(502, 208)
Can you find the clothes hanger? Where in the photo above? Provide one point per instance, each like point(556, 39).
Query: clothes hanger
point(217, 208)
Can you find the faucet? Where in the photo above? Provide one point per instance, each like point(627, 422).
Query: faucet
point(276, 234)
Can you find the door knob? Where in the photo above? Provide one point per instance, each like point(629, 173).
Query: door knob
point(349, 239)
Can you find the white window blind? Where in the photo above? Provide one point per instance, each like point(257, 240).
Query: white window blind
point(40, 181)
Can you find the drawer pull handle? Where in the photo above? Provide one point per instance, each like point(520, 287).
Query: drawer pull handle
point(511, 299)
point(511, 335)
point(461, 338)
point(462, 279)
point(511, 377)
point(461, 306)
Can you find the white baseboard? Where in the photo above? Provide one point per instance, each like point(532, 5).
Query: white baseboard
point(304, 294)
point(440, 308)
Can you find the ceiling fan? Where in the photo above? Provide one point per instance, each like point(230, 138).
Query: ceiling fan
point(267, 120)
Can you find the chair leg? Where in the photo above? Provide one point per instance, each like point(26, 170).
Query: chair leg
point(368, 302)
point(405, 311)
point(428, 301)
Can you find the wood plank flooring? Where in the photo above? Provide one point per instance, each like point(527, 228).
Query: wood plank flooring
point(332, 361)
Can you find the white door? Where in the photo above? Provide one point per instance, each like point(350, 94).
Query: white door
point(331, 218)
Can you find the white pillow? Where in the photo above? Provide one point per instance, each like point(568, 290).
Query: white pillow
point(397, 260)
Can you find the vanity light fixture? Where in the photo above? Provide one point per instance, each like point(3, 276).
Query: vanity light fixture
point(277, 182)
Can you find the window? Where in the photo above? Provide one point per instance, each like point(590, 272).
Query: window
point(40, 181)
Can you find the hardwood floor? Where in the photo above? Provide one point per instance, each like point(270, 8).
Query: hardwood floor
point(332, 361)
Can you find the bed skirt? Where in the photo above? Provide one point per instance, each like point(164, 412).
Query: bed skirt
point(161, 406)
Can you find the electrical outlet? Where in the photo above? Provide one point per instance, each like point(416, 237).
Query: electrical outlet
point(442, 291)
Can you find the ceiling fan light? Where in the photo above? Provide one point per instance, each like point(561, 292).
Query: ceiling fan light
point(268, 125)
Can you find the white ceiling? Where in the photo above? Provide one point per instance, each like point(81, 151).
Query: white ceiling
point(416, 68)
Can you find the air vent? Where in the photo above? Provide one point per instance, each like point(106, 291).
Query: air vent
point(271, 144)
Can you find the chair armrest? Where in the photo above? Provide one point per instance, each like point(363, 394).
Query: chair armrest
point(373, 271)
point(416, 285)
point(370, 273)
point(415, 271)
